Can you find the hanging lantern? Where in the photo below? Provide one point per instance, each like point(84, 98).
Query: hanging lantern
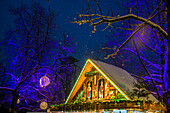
point(44, 81)
point(43, 105)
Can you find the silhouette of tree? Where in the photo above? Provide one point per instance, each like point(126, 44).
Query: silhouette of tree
point(31, 50)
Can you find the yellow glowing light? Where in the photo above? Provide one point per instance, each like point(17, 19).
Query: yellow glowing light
point(111, 92)
point(76, 81)
point(43, 105)
point(103, 75)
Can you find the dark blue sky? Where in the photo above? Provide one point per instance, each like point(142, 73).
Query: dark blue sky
point(83, 38)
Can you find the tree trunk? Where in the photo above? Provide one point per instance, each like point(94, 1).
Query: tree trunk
point(14, 101)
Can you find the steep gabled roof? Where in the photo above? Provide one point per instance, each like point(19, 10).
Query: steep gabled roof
point(118, 77)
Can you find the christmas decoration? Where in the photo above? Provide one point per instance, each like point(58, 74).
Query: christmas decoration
point(43, 105)
point(44, 81)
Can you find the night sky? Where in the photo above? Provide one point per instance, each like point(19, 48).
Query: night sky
point(85, 41)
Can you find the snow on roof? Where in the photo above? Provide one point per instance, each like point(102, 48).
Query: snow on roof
point(119, 76)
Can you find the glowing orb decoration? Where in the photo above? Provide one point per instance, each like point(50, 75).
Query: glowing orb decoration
point(43, 105)
point(44, 81)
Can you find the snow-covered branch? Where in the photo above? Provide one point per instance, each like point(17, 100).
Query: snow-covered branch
point(107, 19)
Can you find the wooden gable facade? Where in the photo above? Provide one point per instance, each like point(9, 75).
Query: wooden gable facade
point(93, 84)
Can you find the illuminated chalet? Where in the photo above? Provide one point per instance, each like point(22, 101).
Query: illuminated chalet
point(102, 81)
point(102, 86)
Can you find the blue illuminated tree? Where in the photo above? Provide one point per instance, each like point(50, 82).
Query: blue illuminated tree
point(31, 50)
point(138, 40)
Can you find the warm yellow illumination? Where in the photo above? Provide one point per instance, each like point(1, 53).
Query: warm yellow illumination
point(103, 75)
point(76, 81)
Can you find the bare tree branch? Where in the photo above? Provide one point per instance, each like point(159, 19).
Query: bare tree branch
point(130, 37)
point(6, 88)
